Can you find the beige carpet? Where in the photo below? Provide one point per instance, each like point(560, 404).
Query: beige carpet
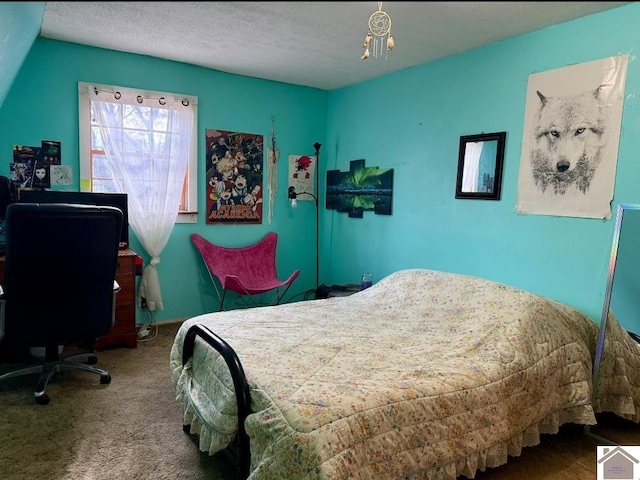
point(132, 429)
point(129, 429)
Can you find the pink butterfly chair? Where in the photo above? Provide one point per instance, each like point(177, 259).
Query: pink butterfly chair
point(247, 271)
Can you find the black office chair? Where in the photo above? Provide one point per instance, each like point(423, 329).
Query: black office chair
point(59, 287)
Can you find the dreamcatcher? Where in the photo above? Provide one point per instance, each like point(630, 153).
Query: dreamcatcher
point(272, 160)
point(379, 27)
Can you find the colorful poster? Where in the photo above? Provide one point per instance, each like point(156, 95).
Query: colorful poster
point(570, 139)
point(22, 169)
point(21, 174)
point(234, 177)
point(51, 152)
point(26, 154)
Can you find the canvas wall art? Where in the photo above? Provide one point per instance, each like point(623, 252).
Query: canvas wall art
point(570, 139)
point(234, 177)
point(361, 188)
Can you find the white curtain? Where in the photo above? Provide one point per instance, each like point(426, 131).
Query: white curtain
point(146, 142)
point(472, 151)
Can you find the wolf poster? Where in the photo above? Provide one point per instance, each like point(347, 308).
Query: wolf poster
point(570, 139)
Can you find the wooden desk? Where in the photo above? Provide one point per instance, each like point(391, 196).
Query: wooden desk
point(123, 332)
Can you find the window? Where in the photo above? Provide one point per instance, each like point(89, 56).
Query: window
point(141, 133)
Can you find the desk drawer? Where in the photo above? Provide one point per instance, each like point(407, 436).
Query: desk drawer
point(126, 295)
point(123, 331)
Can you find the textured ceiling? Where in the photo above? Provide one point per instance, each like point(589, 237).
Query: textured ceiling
point(315, 44)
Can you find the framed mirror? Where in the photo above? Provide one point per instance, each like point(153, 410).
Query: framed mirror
point(480, 160)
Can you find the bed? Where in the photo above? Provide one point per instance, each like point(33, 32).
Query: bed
point(425, 375)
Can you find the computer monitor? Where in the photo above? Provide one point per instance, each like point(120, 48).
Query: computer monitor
point(119, 200)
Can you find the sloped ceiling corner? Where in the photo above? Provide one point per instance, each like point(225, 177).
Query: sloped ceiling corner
point(19, 27)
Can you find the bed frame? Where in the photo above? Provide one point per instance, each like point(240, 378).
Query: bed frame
point(241, 452)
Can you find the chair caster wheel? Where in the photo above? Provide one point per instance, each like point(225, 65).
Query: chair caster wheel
point(92, 360)
point(186, 428)
point(42, 399)
point(104, 379)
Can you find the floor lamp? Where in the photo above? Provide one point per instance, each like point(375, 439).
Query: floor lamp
point(293, 198)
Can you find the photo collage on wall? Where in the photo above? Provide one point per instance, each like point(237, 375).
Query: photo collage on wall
point(38, 167)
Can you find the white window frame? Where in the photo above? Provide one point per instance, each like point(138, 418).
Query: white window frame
point(190, 214)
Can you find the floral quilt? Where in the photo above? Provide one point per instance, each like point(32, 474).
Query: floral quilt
point(425, 375)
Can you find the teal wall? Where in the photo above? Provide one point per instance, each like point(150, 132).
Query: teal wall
point(43, 104)
point(410, 121)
